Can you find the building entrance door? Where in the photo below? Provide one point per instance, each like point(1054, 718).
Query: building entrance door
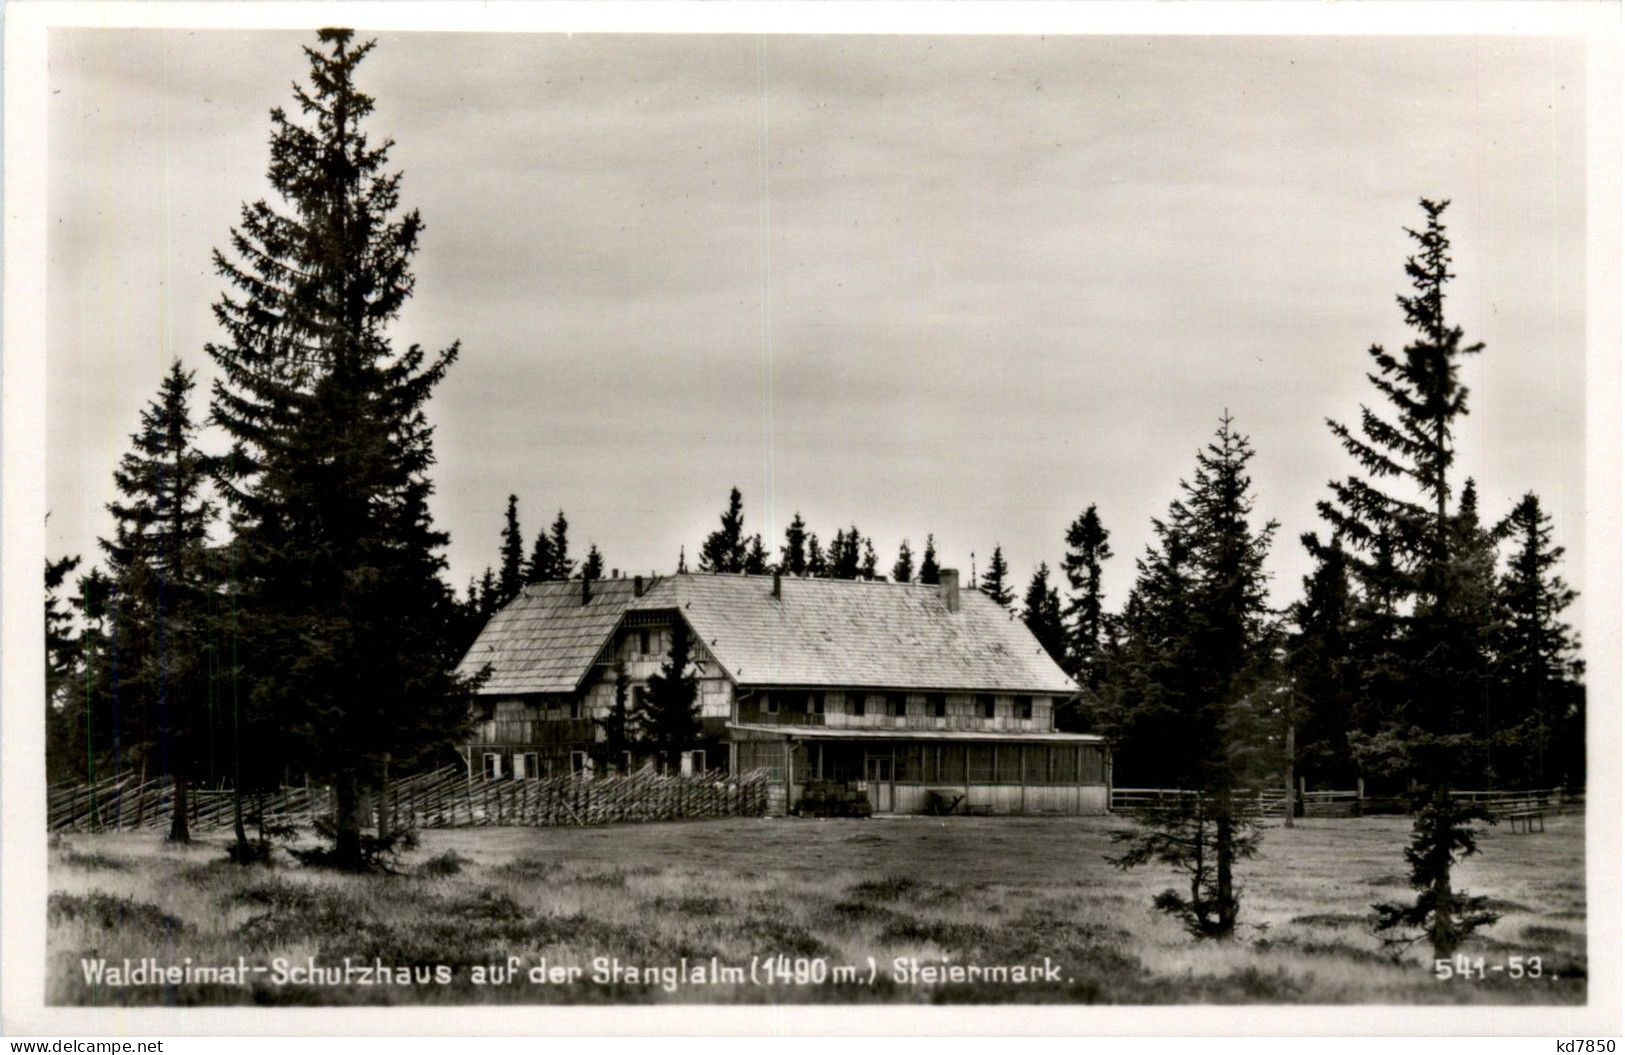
point(877, 771)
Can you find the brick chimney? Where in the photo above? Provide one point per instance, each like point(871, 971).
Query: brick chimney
point(777, 578)
point(637, 586)
point(948, 583)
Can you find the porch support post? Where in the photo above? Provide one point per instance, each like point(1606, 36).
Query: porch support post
point(789, 762)
point(893, 771)
point(1021, 754)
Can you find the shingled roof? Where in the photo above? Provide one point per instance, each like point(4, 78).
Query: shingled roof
point(858, 634)
point(818, 633)
point(545, 639)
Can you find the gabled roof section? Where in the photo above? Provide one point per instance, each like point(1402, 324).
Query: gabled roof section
point(856, 634)
point(545, 640)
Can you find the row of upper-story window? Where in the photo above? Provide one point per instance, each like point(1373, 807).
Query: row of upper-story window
point(893, 704)
point(530, 765)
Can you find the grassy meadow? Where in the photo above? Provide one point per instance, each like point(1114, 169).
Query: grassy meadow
point(986, 891)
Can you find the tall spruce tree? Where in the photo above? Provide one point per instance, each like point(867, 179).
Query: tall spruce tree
point(489, 596)
point(869, 567)
point(559, 539)
point(724, 549)
point(1087, 550)
point(995, 581)
point(929, 571)
point(1042, 614)
point(1538, 670)
point(63, 652)
point(592, 568)
point(342, 612)
point(667, 719)
point(1324, 668)
point(1469, 624)
point(817, 563)
point(793, 554)
point(1400, 538)
point(846, 554)
point(1141, 703)
point(757, 561)
point(541, 566)
point(512, 575)
point(1212, 667)
point(159, 560)
point(1421, 631)
point(93, 716)
point(902, 569)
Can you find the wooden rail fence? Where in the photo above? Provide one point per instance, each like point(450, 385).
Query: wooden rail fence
point(1353, 802)
point(1269, 802)
point(446, 798)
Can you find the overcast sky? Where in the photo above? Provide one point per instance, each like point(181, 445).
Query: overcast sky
point(955, 285)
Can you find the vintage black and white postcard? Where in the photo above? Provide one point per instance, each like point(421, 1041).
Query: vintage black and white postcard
point(601, 514)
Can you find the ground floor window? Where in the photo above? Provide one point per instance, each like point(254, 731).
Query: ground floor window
point(579, 762)
point(526, 766)
point(693, 762)
point(493, 765)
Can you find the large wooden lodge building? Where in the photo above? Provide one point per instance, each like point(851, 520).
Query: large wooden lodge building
point(898, 688)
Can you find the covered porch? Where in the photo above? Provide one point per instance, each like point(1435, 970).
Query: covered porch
point(899, 770)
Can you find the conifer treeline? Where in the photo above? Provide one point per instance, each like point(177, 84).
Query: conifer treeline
point(289, 593)
point(316, 636)
point(1427, 643)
